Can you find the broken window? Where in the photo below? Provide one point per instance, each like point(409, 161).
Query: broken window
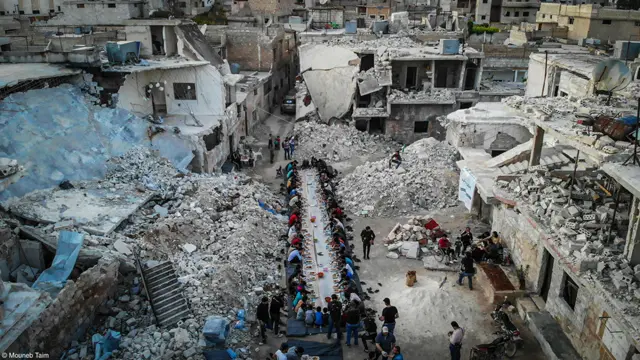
point(570, 291)
point(381, 17)
point(421, 126)
point(544, 16)
point(465, 105)
point(508, 13)
point(184, 91)
point(267, 87)
point(571, 20)
point(372, 17)
point(36, 12)
point(483, 17)
point(525, 13)
point(80, 6)
point(516, 14)
point(214, 139)
point(606, 22)
point(637, 23)
point(182, 4)
point(111, 5)
point(255, 92)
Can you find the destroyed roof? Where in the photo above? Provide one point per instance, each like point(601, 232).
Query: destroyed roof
point(582, 64)
point(12, 74)
point(196, 39)
point(160, 64)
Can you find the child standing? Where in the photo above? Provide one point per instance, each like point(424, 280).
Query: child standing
point(325, 316)
point(319, 322)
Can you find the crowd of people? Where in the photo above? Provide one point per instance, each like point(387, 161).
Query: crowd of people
point(288, 147)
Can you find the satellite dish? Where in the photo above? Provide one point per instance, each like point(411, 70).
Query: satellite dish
point(611, 75)
point(323, 1)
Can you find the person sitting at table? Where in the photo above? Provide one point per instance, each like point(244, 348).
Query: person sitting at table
point(349, 271)
point(294, 218)
point(347, 260)
point(300, 313)
point(295, 256)
point(301, 302)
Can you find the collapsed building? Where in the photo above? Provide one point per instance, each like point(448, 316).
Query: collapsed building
point(394, 85)
point(557, 177)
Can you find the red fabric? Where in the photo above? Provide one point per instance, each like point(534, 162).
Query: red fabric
point(292, 219)
point(296, 241)
point(432, 224)
point(443, 243)
point(338, 211)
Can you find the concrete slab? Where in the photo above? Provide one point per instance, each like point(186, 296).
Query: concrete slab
point(430, 263)
point(22, 306)
point(97, 211)
point(555, 344)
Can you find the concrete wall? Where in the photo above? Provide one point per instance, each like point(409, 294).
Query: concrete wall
point(208, 83)
point(486, 135)
point(483, 9)
point(516, 15)
point(272, 7)
point(72, 313)
point(329, 15)
point(573, 85)
point(30, 7)
point(593, 334)
point(98, 13)
point(535, 83)
point(142, 34)
point(401, 123)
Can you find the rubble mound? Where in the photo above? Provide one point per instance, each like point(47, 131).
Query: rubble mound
point(424, 181)
point(338, 142)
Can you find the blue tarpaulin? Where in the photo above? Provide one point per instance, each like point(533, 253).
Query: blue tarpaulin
point(54, 278)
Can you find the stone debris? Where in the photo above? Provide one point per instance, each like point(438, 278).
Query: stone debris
point(427, 95)
point(425, 181)
point(216, 231)
point(412, 231)
point(335, 143)
point(8, 167)
point(579, 219)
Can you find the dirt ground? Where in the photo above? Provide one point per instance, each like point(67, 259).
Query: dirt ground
point(427, 309)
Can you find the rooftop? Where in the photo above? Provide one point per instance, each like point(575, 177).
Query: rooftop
point(149, 65)
point(582, 64)
point(12, 74)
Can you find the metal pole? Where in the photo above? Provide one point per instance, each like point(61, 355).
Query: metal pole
point(634, 155)
point(615, 211)
point(544, 79)
point(573, 177)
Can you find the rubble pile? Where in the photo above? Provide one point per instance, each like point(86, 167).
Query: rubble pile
point(579, 219)
point(390, 41)
point(428, 95)
point(338, 142)
point(407, 239)
point(426, 180)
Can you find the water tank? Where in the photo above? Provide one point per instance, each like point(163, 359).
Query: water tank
point(351, 27)
point(381, 26)
point(626, 50)
point(449, 46)
point(235, 68)
point(122, 51)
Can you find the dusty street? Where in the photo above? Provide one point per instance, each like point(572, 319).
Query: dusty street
point(427, 309)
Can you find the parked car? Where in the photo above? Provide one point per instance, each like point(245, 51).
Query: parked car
point(288, 105)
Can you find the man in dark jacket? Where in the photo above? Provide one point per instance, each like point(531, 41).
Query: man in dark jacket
point(466, 237)
point(274, 313)
point(262, 313)
point(335, 317)
point(367, 236)
point(370, 332)
point(353, 323)
point(467, 270)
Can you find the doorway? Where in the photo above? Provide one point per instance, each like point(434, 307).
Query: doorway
point(158, 101)
point(376, 125)
point(412, 73)
point(231, 144)
point(547, 260)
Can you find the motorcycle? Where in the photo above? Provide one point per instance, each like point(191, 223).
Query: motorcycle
point(508, 328)
point(494, 350)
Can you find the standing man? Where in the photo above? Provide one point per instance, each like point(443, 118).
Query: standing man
point(367, 236)
point(285, 147)
point(455, 340)
point(292, 146)
point(262, 313)
point(335, 317)
point(270, 142)
point(353, 323)
point(274, 313)
point(389, 315)
point(467, 270)
point(395, 159)
point(385, 341)
point(466, 237)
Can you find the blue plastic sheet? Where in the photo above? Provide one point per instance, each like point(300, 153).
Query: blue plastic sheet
point(216, 330)
point(54, 278)
point(105, 345)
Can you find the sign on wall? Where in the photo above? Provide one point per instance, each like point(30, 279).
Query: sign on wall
point(467, 188)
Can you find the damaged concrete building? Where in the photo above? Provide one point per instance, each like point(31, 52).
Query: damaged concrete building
point(559, 183)
point(270, 49)
point(395, 85)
